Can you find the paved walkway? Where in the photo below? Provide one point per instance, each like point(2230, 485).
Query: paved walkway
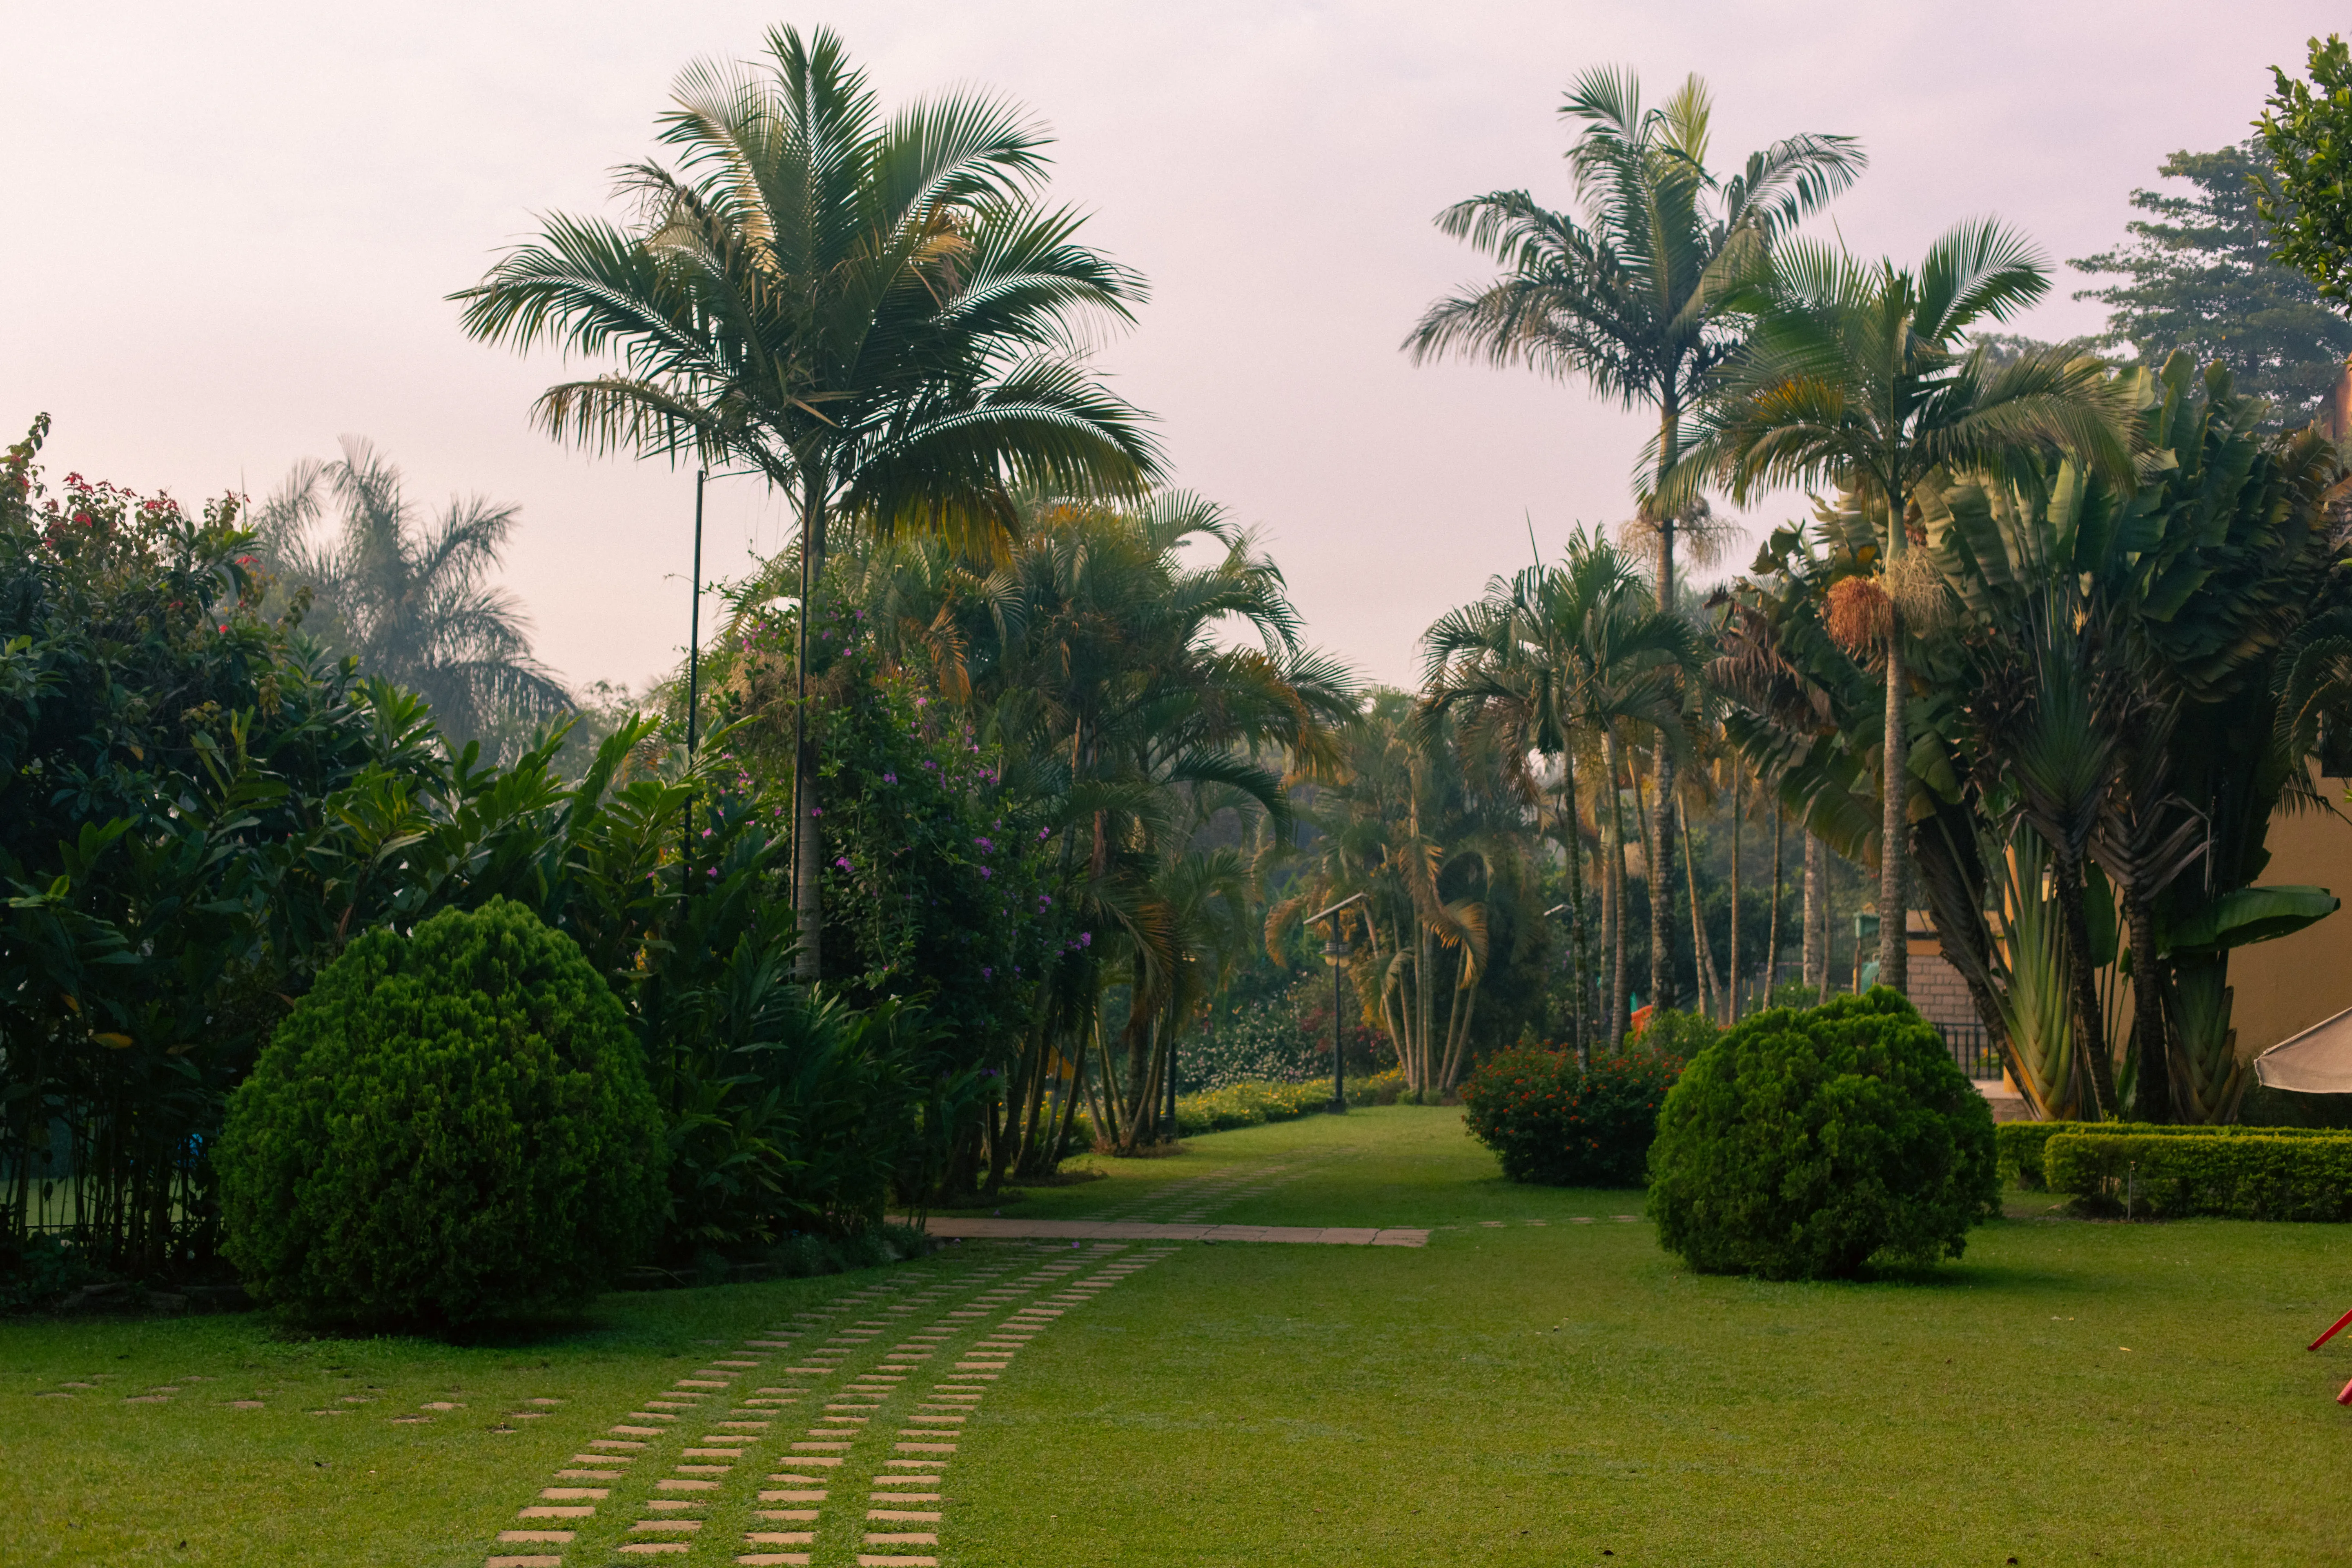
point(1140, 1230)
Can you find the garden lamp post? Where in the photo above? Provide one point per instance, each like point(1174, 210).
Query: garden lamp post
point(1335, 952)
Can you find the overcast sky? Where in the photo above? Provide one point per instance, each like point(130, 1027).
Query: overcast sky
point(231, 228)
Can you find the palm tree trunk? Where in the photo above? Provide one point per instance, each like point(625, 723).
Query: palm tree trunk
point(1816, 916)
point(1615, 870)
point(1654, 813)
point(1662, 898)
point(1710, 988)
point(1894, 790)
point(1575, 896)
point(1772, 931)
point(808, 841)
point(1731, 1009)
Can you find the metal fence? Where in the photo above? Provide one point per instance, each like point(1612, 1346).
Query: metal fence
point(1972, 1049)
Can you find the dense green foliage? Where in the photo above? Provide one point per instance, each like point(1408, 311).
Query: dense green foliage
point(2256, 1175)
point(452, 1126)
point(2199, 275)
point(2306, 126)
point(171, 846)
point(1803, 1144)
point(203, 810)
point(1552, 1122)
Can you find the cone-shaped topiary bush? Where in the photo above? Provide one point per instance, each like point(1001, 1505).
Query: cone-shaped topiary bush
point(1805, 1143)
point(452, 1126)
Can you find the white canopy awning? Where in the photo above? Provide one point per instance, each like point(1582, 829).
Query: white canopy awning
point(2317, 1061)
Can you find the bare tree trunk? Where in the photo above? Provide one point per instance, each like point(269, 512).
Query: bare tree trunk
point(1817, 916)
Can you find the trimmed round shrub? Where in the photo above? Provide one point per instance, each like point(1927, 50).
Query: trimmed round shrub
point(1804, 1143)
point(1552, 1122)
point(453, 1126)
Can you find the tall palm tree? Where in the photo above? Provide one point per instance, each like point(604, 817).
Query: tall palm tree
point(1553, 660)
point(407, 599)
point(1856, 376)
point(874, 312)
point(1633, 299)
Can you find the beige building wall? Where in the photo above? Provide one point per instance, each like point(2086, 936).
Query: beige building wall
point(2285, 986)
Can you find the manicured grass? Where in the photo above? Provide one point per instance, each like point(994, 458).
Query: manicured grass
point(94, 1480)
point(1521, 1392)
point(1538, 1394)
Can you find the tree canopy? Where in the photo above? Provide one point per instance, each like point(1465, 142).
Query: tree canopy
point(2203, 273)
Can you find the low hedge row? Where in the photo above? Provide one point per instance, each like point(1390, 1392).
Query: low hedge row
point(2019, 1145)
point(1248, 1105)
point(2166, 1173)
point(1251, 1104)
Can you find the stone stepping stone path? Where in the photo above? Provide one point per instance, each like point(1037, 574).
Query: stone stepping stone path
point(803, 1445)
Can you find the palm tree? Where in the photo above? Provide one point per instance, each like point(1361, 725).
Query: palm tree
point(1099, 655)
point(872, 313)
point(1854, 376)
point(1633, 298)
point(408, 601)
point(1552, 661)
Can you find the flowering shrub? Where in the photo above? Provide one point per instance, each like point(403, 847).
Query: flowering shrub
point(1251, 1044)
point(1553, 1122)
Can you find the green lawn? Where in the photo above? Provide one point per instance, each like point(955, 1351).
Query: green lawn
point(1527, 1393)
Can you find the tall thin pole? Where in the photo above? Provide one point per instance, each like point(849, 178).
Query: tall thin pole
point(1339, 1065)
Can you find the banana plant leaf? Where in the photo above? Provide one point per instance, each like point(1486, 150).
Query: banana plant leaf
point(2247, 915)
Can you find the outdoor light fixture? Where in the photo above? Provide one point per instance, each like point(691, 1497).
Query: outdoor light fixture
point(1335, 951)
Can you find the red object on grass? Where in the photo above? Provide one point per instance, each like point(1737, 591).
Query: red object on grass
point(2332, 1330)
point(2345, 1397)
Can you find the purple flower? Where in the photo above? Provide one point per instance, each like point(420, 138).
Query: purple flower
point(987, 973)
point(985, 846)
point(985, 873)
point(705, 833)
point(714, 871)
point(890, 778)
point(843, 861)
point(1086, 939)
point(816, 811)
point(1043, 834)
